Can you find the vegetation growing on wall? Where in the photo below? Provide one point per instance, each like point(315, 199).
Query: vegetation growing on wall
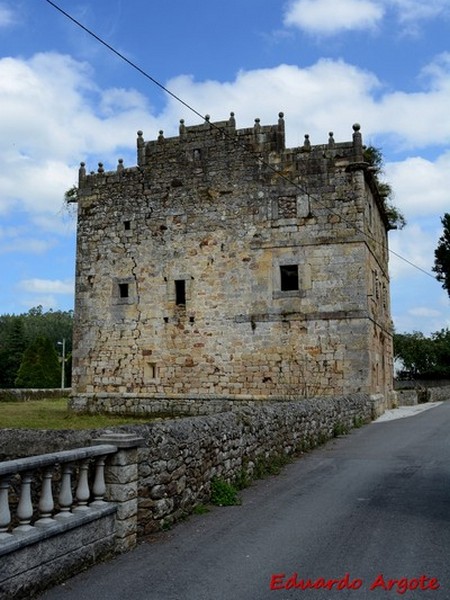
point(374, 157)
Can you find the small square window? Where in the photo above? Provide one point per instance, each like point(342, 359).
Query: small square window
point(289, 278)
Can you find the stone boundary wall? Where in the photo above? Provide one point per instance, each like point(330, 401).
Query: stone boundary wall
point(180, 457)
point(23, 395)
point(438, 394)
point(420, 395)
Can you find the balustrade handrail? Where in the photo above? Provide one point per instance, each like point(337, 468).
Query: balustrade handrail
point(30, 463)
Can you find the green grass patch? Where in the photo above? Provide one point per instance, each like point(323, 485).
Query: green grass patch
point(223, 493)
point(54, 414)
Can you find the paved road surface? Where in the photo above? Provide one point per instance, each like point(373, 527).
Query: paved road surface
point(374, 504)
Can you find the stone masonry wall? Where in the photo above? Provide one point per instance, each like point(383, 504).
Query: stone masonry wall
point(180, 266)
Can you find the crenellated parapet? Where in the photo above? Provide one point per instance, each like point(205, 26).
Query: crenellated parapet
point(209, 145)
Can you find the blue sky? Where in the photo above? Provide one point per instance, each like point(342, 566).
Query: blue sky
point(326, 64)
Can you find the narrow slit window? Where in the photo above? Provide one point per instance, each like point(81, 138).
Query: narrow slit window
point(180, 292)
point(289, 278)
point(124, 291)
point(127, 225)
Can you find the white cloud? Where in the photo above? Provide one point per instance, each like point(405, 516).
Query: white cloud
point(26, 245)
point(328, 17)
point(418, 10)
point(331, 17)
point(303, 94)
point(416, 245)
point(421, 186)
point(423, 311)
point(7, 16)
point(53, 115)
point(47, 286)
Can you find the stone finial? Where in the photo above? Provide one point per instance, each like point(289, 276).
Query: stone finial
point(161, 136)
point(257, 126)
point(207, 118)
point(281, 140)
point(182, 128)
point(140, 148)
point(120, 166)
point(232, 120)
point(307, 143)
point(82, 171)
point(100, 168)
point(357, 142)
point(330, 140)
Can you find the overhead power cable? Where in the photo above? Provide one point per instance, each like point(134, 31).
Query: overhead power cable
point(206, 119)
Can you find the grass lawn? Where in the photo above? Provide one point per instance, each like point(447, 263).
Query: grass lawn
point(53, 414)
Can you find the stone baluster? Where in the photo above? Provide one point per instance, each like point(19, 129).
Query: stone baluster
point(5, 513)
point(65, 498)
point(46, 503)
point(99, 487)
point(82, 492)
point(25, 506)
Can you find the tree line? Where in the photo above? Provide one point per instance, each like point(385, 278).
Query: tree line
point(423, 357)
point(31, 349)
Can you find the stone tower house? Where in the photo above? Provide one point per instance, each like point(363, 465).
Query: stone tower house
point(225, 265)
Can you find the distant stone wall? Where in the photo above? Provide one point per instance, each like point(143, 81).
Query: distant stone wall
point(421, 394)
point(181, 456)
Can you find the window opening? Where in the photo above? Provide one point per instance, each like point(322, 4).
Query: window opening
point(180, 292)
point(150, 371)
point(123, 290)
point(289, 277)
point(127, 225)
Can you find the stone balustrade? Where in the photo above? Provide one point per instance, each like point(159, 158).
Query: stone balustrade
point(67, 503)
point(45, 536)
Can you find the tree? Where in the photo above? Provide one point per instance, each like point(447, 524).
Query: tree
point(374, 157)
point(40, 366)
point(424, 357)
point(415, 352)
point(442, 255)
point(12, 346)
point(17, 332)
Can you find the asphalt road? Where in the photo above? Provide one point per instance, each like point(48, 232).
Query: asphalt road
point(374, 505)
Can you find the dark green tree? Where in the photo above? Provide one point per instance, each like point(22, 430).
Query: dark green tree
point(40, 366)
point(415, 351)
point(12, 346)
point(442, 255)
point(424, 357)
